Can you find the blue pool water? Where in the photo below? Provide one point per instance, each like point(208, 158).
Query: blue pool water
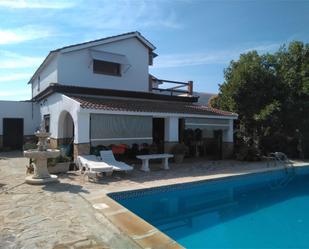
point(244, 212)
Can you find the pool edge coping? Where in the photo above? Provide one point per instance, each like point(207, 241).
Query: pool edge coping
point(142, 233)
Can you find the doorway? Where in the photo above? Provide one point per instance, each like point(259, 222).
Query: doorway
point(13, 133)
point(66, 133)
point(158, 133)
point(218, 135)
point(181, 130)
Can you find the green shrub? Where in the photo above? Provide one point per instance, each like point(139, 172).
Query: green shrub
point(248, 153)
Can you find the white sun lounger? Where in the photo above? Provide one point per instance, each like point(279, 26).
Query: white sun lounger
point(107, 156)
point(92, 165)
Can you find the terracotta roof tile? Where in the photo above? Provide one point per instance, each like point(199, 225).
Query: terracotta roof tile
point(132, 105)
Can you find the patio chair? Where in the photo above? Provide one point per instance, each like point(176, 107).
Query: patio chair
point(92, 166)
point(107, 157)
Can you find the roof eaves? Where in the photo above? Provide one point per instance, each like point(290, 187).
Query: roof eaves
point(150, 45)
point(107, 40)
point(56, 87)
point(225, 113)
point(47, 58)
point(139, 106)
point(96, 40)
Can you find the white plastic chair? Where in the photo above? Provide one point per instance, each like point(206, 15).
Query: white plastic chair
point(107, 157)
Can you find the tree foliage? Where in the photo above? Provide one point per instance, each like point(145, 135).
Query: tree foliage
point(270, 92)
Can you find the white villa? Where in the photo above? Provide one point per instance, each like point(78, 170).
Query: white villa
point(101, 93)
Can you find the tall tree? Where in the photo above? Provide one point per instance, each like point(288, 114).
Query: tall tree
point(271, 95)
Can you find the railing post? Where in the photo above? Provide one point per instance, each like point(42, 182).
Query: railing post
point(190, 87)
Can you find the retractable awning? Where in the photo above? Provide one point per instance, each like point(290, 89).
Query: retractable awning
point(106, 129)
point(110, 57)
point(206, 123)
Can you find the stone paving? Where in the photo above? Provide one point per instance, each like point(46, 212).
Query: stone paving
point(60, 215)
point(52, 216)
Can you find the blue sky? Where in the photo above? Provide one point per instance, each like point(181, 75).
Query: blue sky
point(195, 40)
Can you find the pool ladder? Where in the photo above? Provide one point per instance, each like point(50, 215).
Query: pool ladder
point(288, 167)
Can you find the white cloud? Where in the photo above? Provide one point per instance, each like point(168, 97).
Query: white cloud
point(126, 15)
point(36, 4)
point(14, 77)
point(9, 60)
point(202, 58)
point(26, 33)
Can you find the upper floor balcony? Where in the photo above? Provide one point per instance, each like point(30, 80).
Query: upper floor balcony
point(170, 87)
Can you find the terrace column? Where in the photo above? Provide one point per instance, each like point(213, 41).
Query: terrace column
point(170, 133)
point(228, 141)
point(81, 134)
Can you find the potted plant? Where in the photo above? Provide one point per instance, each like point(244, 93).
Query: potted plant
point(179, 151)
point(59, 164)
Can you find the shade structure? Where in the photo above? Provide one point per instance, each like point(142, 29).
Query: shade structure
point(110, 57)
point(109, 129)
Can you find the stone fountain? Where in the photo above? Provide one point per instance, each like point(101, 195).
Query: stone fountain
point(40, 156)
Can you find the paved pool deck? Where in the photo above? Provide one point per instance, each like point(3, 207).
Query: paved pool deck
point(76, 213)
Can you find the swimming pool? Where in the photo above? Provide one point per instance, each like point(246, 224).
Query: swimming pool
point(255, 211)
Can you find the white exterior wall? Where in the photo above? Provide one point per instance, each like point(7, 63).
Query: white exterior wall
point(76, 68)
point(56, 105)
point(48, 75)
point(82, 128)
point(171, 129)
point(19, 109)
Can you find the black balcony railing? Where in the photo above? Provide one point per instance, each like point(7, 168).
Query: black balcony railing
point(171, 87)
